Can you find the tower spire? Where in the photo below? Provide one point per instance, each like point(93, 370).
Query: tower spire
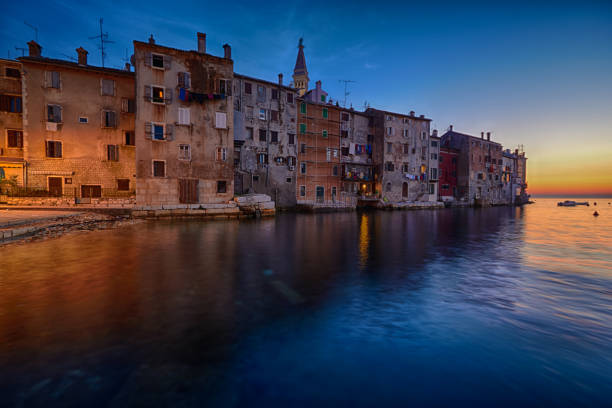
point(300, 73)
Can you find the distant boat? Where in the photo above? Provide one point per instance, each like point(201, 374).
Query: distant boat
point(568, 203)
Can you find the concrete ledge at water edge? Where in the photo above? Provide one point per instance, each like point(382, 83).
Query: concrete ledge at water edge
point(249, 199)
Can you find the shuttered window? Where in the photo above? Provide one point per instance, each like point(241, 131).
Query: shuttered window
point(52, 79)
point(220, 120)
point(107, 87)
point(289, 97)
point(157, 94)
point(325, 134)
point(221, 186)
point(248, 88)
point(273, 137)
point(159, 168)
point(130, 139)
point(184, 152)
point(158, 132)
point(303, 108)
point(221, 154)
point(54, 113)
point(10, 103)
point(128, 105)
point(184, 116)
point(14, 138)
point(123, 184)
point(184, 80)
point(262, 135)
point(53, 148)
point(291, 137)
point(303, 128)
point(112, 152)
point(109, 119)
point(325, 113)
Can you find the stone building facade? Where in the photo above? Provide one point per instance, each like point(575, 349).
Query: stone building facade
point(404, 142)
point(319, 172)
point(434, 171)
point(265, 139)
point(447, 165)
point(479, 167)
point(184, 125)
point(78, 127)
point(359, 170)
point(11, 127)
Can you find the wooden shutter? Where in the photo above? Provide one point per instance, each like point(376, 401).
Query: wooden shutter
point(169, 130)
point(57, 113)
point(187, 80)
point(125, 105)
point(47, 79)
point(147, 93)
point(148, 130)
point(148, 59)
point(112, 119)
point(168, 96)
point(220, 120)
point(167, 62)
point(181, 79)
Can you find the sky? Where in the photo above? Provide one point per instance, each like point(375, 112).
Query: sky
point(536, 74)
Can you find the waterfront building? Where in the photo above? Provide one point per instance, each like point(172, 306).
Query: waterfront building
point(404, 144)
point(478, 168)
point(11, 128)
point(434, 171)
point(447, 164)
point(78, 127)
point(360, 170)
point(265, 138)
point(184, 125)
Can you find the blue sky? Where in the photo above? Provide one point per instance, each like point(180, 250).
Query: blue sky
point(534, 73)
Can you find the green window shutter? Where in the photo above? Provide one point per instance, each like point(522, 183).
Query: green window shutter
point(303, 128)
point(325, 113)
point(325, 134)
point(303, 108)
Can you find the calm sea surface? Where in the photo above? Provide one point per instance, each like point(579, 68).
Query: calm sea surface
point(487, 307)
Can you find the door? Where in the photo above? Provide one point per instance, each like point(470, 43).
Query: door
point(320, 194)
point(188, 191)
point(55, 186)
point(91, 191)
point(334, 194)
point(405, 190)
point(238, 183)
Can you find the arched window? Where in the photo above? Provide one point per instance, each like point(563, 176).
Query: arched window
point(388, 187)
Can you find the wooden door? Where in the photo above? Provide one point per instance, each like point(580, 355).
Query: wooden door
point(55, 186)
point(320, 194)
point(91, 191)
point(405, 190)
point(188, 191)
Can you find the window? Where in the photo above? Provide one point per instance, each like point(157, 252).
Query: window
point(344, 151)
point(303, 168)
point(12, 73)
point(302, 128)
point(262, 158)
point(389, 131)
point(83, 119)
point(480, 176)
point(158, 132)
point(184, 116)
point(289, 97)
point(184, 152)
point(52, 79)
point(184, 80)
point(107, 87)
point(255, 178)
point(288, 179)
point(130, 138)
point(261, 92)
point(10, 103)
point(225, 87)
point(262, 135)
point(322, 98)
point(53, 149)
point(432, 188)
point(325, 113)
point(434, 143)
point(324, 134)
point(221, 154)
point(274, 94)
point(344, 117)
point(303, 148)
point(291, 160)
point(14, 139)
point(335, 171)
point(221, 186)
point(303, 108)
point(159, 168)
point(344, 133)
point(157, 94)
point(157, 61)
point(388, 187)
point(220, 120)
point(249, 131)
point(249, 112)
point(405, 168)
point(389, 166)
point(109, 119)
point(370, 138)
point(262, 114)
point(302, 191)
point(389, 117)
point(406, 148)
point(423, 135)
point(123, 184)
point(273, 137)
point(434, 173)
point(128, 105)
point(291, 137)
point(329, 154)
point(248, 88)
point(389, 147)
point(274, 115)
point(405, 132)
point(112, 152)
point(54, 113)
point(434, 156)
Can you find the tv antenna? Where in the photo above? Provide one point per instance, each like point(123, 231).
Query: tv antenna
point(70, 57)
point(103, 37)
point(346, 92)
point(33, 28)
point(23, 50)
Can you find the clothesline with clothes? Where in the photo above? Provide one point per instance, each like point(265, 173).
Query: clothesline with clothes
point(188, 96)
point(358, 149)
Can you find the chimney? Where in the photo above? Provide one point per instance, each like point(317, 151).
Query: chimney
point(128, 67)
point(151, 39)
point(202, 43)
point(280, 79)
point(411, 113)
point(422, 116)
point(489, 136)
point(35, 50)
point(318, 85)
point(435, 132)
point(482, 135)
point(227, 51)
point(451, 128)
point(82, 54)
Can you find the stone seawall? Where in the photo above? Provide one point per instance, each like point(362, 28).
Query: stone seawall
point(67, 202)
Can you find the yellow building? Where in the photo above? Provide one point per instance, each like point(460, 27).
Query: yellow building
point(11, 130)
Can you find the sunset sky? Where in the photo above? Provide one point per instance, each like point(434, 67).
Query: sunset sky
point(536, 75)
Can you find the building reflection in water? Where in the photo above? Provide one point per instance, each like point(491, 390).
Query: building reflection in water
point(364, 240)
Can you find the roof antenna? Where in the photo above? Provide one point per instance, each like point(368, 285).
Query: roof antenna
point(33, 28)
point(346, 92)
point(23, 50)
point(103, 40)
point(70, 57)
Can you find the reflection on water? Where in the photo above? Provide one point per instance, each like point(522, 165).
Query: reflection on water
point(361, 309)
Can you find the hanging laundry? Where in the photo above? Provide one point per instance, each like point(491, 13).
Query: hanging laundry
point(352, 148)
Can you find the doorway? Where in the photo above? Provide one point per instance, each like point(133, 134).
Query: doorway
point(55, 186)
